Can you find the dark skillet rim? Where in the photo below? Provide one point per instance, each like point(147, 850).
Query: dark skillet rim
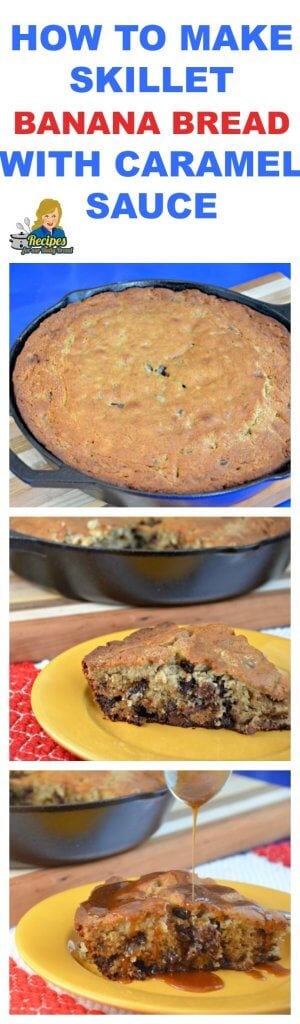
point(266, 309)
point(113, 801)
point(14, 534)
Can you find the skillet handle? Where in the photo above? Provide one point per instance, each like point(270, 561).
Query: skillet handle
point(281, 307)
point(39, 477)
point(64, 477)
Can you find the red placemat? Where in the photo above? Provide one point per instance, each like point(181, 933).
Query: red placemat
point(28, 742)
point(277, 853)
point(30, 994)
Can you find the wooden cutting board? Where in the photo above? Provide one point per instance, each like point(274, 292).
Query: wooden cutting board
point(263, 825)
point(34, 639)
point(271, 288)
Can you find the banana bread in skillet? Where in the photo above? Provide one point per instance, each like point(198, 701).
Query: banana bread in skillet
point(54, 788)
point(188, 676)
point(153, 533)
point(134, 929)
point(159, 391)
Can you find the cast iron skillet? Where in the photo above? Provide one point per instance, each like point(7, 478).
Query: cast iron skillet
point(113, 494)
point(75, 833)
point(149, 577)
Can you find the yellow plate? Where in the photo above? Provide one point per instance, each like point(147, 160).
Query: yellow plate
point(42, 938)
point(63, 706)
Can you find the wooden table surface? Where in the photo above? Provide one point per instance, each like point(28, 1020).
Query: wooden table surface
point(272, 287)
point(38, 635)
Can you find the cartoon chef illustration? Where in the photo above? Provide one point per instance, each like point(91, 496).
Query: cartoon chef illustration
point(48, 217)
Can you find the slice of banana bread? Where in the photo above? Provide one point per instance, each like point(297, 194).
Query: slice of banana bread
point(189, 676)
point(154, 925)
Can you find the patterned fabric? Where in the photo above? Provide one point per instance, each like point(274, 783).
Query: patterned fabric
point(28, 742)
point(30, 994)
point(277, 853)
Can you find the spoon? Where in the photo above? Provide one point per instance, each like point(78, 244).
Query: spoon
point(195, 788)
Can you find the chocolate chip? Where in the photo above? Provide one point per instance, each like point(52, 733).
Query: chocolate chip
point(142, 712)
point(187, 685)
point(34, 358)
point(140, 687)
point(186, 665)
point(137, 940)
point(185, 933)
point(180, 912)
point(141, 966)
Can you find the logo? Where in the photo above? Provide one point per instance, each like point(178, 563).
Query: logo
point(46, 236)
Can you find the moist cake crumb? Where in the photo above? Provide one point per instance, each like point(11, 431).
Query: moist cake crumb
point(188, 676)
point(153, 925)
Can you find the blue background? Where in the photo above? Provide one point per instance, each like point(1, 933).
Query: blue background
point(35, 287)
point(276, 778)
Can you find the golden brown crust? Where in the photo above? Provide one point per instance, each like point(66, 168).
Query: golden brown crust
point(157, 390)
point(175, 533)
point(215, 646)
point(41, 788)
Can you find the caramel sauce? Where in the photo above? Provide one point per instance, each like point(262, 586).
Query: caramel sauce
point(276, 969)
point(195, 811)
point(195, 789)
point(208, 981)
point(193, 981)
point(270, 968)
point(130, 896)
